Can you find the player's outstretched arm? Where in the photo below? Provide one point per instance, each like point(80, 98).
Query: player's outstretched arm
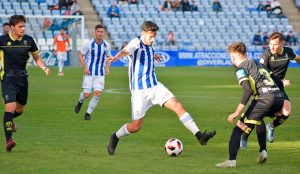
point(81, 60)
point(107, 66)
point(38, 60)
point(119, 55)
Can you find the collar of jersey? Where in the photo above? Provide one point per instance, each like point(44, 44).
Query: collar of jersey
point(13, 38)
point(97, 43)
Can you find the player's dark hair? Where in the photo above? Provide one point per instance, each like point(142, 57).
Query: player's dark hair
point(5, 24)
point(99, 26)
point(149, 26)
point(238, 47)
point(15, 19)
point(276, 35)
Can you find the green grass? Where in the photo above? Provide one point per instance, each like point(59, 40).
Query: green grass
point(51, 138)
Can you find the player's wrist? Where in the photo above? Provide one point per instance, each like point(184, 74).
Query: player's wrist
point(45, 68)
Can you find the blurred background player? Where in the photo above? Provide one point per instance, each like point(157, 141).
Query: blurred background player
point(60, 43)
point(268, 100)
point(93, 57)
point(276, 58)
point(15, 48)
point(5, 28)
point(147, 91)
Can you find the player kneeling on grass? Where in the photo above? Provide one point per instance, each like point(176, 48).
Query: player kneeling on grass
point(146, 91)
point(93, 57)
point(267, 90)
point(15, 48)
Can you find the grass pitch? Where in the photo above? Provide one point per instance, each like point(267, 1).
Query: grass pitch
point(51, 138)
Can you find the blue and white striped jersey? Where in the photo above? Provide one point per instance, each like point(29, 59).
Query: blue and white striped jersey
point(95, 56)
point(141, 68)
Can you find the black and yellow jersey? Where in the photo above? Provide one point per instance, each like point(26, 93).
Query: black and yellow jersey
point(259, 77)
point(15, 53)
point(278, 63)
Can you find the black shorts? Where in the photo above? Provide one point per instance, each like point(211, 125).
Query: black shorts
point(286, 97)
point(15, 89)
point(261, 108)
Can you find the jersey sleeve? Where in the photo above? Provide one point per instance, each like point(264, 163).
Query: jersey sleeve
point(85, 48)
point(241, 75)
point(33, 47)
point(132, 46)
point(264, 58)
point(108, 50)
point(292, 54)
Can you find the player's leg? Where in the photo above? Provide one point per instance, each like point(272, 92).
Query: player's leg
point(244, 137)
point(87, 86)
point(19, 111)
point(9, 92)
point(92, 105)
point(280, 118)
point(164, 97)
point(125, 130)
point(140, 103)
point(21, 99)
point(8, 125)
point(98, 86)
point(60, 63)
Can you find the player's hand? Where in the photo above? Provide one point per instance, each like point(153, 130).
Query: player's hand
point(106, 71)
point(286, 82)
point(157, 57)
point(47, 71)
point(231, 117)
point(111, 59)
point(86, 71)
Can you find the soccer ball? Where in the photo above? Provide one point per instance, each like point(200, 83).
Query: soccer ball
point(173, 147)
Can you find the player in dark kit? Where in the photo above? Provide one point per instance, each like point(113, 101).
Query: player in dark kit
point(276, 58)
point(14, 49)
point(268, 100)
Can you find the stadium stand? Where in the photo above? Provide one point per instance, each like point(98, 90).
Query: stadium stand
point(199, 30)
point(35, 26)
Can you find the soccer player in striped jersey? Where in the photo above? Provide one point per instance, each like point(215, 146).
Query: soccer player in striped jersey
point(147, 91)
point(93, 57)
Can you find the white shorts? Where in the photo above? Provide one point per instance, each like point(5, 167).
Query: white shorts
point(91, 83)
point(142, 100)
point(61, 56)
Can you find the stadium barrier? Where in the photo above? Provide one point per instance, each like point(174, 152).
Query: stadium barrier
point(171, 58)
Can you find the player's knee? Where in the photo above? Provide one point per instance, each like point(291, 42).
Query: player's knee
point(287, 108)
point(87, 95)
point(19, 110)
point(97, 93)
point(10, 107)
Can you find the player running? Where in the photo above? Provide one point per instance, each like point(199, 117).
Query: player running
point(147, 91)
point(93, 57)
point(14, 50)
point(60, 43)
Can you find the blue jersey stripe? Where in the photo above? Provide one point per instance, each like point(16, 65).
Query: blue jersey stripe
point(141, 69)
point(132, 77)
point(102, 64)
point(98, 59)
point(153, 71)
point(148, 67)
point(92, 57)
